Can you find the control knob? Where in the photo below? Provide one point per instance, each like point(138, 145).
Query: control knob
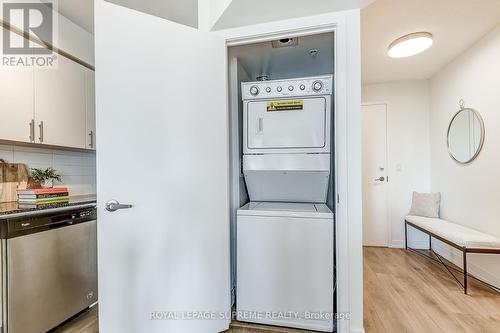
point(302, 87)
point(317, 86)
point(268, 89)
point(279, 89)
point(254, 90)
point(290, 88)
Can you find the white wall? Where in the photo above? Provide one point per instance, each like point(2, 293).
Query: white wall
point(407, 147)
point(77, 169)
point(75, 40)
point(470, 193)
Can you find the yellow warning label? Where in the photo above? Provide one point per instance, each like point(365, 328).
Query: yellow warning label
point(285, 105)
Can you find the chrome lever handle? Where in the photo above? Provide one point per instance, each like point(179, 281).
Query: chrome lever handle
point(380, 179)
point(113, 206)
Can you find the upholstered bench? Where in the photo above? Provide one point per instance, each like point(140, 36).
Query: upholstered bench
point(465, 239)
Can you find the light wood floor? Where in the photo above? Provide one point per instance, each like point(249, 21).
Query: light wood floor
point(403, 292)
point(87, 322)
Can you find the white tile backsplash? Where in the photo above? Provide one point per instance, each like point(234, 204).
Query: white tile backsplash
point(6, 154)
point(77, 169)
point(31, 157)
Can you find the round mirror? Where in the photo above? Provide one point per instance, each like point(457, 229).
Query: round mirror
point(465, 135)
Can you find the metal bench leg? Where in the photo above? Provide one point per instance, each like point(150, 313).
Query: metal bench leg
point(406, 235)
point(465, 271)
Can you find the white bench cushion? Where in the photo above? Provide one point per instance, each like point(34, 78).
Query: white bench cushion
point(456, 233)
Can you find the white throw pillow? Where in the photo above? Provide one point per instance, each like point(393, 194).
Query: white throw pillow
point(425, 204)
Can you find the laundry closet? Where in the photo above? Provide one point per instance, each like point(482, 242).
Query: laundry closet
point(282, 181)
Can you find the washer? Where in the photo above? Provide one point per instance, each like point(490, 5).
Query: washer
point(285, 267)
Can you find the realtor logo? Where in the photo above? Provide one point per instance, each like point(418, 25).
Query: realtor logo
point(28, 33)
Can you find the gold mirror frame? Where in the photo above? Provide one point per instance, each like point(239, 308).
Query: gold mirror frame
point(481, 142)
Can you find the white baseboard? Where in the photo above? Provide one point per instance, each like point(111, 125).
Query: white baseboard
point(417, 244)
point(453, 256)
point(473, 269)
point(361, 330)
point(397, 244)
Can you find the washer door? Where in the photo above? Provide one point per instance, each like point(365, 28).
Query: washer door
point(286, 123)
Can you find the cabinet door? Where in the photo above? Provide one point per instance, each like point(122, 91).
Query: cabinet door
point(60, 104)
point(90, 108)
point(16, 103)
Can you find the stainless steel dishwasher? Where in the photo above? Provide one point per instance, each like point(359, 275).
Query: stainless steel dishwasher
point(49, 269)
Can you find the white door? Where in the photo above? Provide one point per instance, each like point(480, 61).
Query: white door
point(163, 147)
point(375, 211)
point(60, 104)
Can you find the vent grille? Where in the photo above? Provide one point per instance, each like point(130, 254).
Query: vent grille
point(285, 42)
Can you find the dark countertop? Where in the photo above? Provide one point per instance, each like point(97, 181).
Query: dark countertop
point(11, 209)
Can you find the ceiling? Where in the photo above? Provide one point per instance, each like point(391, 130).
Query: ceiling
point(180, 11)
point(455, 24)
point(246, 12)
point(287, 62)
point(80, 12)
point(237, 13)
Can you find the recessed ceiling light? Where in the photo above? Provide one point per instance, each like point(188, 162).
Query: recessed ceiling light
point(410, 45)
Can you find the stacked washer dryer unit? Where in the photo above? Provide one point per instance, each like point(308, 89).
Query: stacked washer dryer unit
point(285, 268)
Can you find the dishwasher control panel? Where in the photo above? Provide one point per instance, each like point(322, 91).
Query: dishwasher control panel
point(46, 221)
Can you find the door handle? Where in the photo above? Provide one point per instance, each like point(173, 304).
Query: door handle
point(380, 179)
point(113, 206)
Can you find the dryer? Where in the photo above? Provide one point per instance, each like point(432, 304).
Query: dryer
point(286, 139)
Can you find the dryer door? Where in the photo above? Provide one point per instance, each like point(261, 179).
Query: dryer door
point(286, 124)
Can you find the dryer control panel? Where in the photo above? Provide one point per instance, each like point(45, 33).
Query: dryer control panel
point(310, 86)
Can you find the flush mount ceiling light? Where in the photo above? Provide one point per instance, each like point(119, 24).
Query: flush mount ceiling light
point(410, 45)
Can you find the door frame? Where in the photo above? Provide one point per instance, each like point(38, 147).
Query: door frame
point(387, 201)
point(347, 105)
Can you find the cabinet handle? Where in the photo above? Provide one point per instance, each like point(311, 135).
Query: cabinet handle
point(32, 130)
point(91, 135)
point(40, 126)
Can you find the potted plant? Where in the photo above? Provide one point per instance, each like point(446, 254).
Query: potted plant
point(45, 177)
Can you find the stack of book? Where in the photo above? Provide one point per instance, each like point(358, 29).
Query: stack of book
point(42, 196)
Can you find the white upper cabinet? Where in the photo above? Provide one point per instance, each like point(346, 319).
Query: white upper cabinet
point(16, 104)
point(60, 104)
point(90, 108)
point(54, 106)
